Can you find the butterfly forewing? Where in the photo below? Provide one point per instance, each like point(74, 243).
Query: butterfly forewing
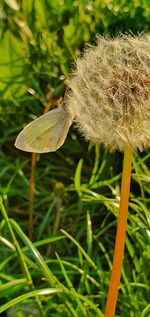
point(45, 134)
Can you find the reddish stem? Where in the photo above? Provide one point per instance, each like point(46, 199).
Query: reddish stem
point(120, 236)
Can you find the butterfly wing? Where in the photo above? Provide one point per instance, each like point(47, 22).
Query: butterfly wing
point(45, 134)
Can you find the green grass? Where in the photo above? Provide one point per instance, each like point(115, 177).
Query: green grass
point(65, 270)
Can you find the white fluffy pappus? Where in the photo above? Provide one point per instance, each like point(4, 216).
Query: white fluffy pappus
point(110, 92)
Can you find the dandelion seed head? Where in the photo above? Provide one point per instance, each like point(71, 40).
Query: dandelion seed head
point(109, 92)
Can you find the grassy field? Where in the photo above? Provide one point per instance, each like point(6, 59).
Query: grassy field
point(59, 210)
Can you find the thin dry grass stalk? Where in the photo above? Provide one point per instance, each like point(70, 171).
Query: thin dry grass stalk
point(32, 177)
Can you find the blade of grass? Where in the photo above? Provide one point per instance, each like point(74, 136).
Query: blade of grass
point(89, 234)
point(20, 255)
point(73, 292)
point(87, 257)
point(52, 279)
point(13, 283)
point(24, 249)
point(78, 269)
point(37, 256)
point(42, 264)
point(77, 177)
point(146, 311)
point(21, 298)
point(96, 164)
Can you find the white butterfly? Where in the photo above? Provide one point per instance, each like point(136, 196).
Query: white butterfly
point(46, 133)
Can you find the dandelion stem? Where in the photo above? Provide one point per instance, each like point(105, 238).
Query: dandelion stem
point(120, 236)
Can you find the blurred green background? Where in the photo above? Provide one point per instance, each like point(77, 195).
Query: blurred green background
point(76, 188)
